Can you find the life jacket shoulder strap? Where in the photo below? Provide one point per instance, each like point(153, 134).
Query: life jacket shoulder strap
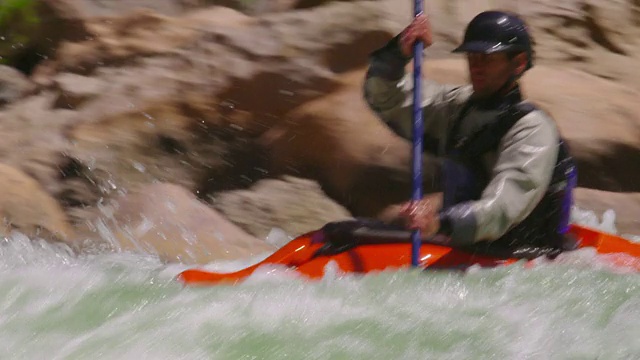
point(488, 137)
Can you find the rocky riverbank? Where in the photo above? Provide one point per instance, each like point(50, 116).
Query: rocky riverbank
point(191, 128)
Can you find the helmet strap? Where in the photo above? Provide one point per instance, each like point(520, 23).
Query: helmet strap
point(511, 81)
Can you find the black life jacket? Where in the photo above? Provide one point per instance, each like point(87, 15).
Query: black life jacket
point(542, 232)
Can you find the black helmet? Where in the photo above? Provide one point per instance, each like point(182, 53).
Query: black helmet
point(497, 31)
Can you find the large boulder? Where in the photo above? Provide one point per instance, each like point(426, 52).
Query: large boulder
point(213, 100)
point(256, 7)
point(249, 7)
point(27, 207)
point(597, 37)
point(168, 221)
point(291, 204)
point(35, 142)
point(626, 207)
point(130, 117)
point(114, 113)
point(31, 30)
point(338, 140)
point(13, 85)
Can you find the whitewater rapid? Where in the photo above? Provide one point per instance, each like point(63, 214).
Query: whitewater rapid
point(57, 305)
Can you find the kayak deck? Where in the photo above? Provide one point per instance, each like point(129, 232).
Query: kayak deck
point(299, 255)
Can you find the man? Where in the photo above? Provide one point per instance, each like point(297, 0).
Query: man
point(508, 177)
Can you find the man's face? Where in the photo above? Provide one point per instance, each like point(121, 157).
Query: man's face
point(489, 72)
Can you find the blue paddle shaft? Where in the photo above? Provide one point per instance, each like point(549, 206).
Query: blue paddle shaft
point(418, 131)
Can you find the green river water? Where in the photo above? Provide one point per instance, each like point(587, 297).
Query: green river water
point(56, 305)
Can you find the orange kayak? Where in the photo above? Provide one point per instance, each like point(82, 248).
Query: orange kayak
point(300, 255)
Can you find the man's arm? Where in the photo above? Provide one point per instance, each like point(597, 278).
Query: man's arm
point(388, 91)
point(521, 176)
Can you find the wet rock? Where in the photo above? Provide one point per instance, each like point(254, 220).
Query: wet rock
point(99, 8)
point(295, 205)
point(75, 89)
point(13, 85)
point(338, 140)
point(26, 206)
point(37, 29)
point(597, 37)
point(167, 220)
point(213, 100)
point(254, 7)
point(625, 205)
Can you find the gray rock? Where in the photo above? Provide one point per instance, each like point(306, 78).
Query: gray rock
point(292, 204)
point(14, 85)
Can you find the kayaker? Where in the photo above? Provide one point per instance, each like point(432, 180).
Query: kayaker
point(508, 175)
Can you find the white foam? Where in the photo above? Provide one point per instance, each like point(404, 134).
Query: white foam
point(278, 237)
point(128, 306)
point(606, 223)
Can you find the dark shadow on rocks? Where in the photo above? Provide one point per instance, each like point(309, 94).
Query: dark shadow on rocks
point(307, 4)
point(244, 163)
point(272, 95)
point(617, 170)
point(56, 22)
point(377, 187)
point(354, 54)
point(77, 189)
point(374, 188)
point(27, 60)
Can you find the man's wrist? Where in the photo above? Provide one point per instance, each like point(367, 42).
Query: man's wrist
point(389, 62)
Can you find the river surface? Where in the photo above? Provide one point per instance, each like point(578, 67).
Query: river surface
point(56, 305)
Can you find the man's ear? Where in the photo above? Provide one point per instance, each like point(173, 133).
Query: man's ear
point(520, 63)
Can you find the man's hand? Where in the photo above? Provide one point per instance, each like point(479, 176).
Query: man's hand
point(419, 29)
point(422, 215)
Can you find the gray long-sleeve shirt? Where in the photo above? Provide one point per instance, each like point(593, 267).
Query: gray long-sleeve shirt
point(520, 171)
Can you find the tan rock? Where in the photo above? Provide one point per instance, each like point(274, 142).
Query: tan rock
point(338, 140)
point(30, 42)
point(76, 89)
point(250, 7)
point(166, 220)
point(597, 37)
point(13, 85)
point(625, 205)
point(295, 205)
point(196, 127)
point(160, 143)
point(214, 99)
point(26, 206)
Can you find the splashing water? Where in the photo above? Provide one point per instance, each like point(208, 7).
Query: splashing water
point(57, 305)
